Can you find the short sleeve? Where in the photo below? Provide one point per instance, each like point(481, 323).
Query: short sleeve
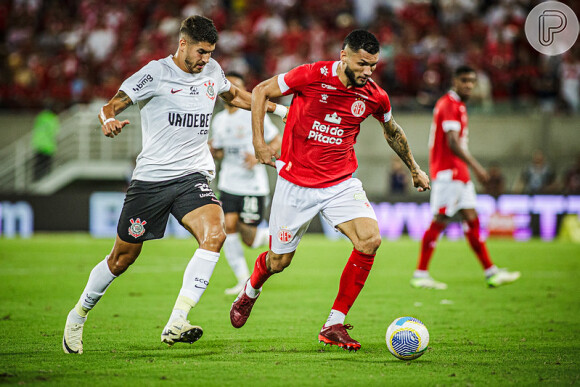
point(297, 78)
point(224, 85)
point(143, 84)
point(384, 112)
point(450, 117)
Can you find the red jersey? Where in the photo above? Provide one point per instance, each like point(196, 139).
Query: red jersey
point(449, 114)
point(324, 122)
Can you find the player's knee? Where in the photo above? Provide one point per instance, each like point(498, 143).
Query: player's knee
point(278, 263)
point(214, 239)
point(369, 245)
point(120, 262)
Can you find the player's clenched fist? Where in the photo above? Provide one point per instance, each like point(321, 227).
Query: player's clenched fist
point(421, 181)
point(111, 127)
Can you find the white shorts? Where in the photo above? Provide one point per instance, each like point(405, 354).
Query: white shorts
point(449, 196)
point(293, 207)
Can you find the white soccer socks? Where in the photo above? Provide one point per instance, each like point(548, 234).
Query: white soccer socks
point(234, 253)
point(335, 317)
point(99, 280)
point(195, 281)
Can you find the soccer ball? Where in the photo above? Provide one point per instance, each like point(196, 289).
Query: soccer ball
point(407, 338)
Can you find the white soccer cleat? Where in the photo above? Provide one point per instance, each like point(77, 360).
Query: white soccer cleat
point(236, 289)
point(502, 277)
point(181, 331)
point(72, 340)
point(427, 283)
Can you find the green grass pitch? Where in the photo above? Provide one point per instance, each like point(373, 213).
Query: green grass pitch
point(521, 334)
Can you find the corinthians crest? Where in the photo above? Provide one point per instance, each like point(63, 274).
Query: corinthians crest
point(210, 92)
point(137, 228)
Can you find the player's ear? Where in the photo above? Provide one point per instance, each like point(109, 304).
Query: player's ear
point(343, 56)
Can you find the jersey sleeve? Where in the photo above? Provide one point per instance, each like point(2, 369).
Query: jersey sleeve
point(450, 117)
point(297, 78)
point(270, 130)
point(384, 112)
point(223, 85)
point(143, 84)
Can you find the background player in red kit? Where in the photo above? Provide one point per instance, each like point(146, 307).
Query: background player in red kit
point(315, 170)
point(453, 191)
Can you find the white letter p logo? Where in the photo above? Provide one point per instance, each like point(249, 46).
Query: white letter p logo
point(552, 21)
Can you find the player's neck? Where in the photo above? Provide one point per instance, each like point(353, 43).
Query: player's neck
point(178, 62)
point(342, 76)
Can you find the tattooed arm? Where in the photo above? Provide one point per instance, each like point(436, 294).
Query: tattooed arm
point(109, 124)
point(397, 140)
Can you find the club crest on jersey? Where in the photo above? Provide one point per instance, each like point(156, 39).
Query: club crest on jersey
point(333, 118)
point(358, 108)
point(210, 92)
point(324, 71)
point(137, 228)
point(284, 235)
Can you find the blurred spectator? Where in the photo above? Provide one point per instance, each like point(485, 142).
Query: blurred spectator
point(572, 179)
point(495, 186)
point(546, 86)
point(537, 178)
point(63, 52)
point(398, 177)
point(46, 127)
point(570, 82)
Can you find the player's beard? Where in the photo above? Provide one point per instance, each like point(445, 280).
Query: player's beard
point(351, 77)
point(191, 67)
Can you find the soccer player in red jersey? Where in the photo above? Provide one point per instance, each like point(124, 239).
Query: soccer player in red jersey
point(315, 170)
point(453, 190)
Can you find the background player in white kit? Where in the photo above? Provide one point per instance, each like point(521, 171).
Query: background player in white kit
point(176, 96)
point(242, 181)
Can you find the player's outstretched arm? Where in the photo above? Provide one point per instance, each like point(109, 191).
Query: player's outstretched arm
point(397, 140)
point(260, 100)
point(109, 124)
point(465, 155)
point(243, 99)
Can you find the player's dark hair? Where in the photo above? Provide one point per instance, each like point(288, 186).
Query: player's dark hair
point(463, 69)
point(361, 39)
point(199, 29)
point(235, 74)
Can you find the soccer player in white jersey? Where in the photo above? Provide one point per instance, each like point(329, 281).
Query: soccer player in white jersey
point(331, 99)
point(176, 96)
point(453, 191)
point(242, 181)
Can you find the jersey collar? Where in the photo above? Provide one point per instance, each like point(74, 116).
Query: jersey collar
point(453, 94)
point(334, 67)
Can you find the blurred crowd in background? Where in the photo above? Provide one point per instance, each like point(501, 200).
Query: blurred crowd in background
point(72, 51)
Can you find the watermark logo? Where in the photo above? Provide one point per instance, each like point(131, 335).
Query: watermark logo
point(552, 28)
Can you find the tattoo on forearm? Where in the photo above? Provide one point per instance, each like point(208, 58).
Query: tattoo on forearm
point(398, 142)
point(123, 101)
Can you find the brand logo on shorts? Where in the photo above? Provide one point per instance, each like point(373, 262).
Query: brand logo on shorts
point(284, 236)
point(358, 108)
point(137, 229)
point(210, 92)
point(361, 196)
